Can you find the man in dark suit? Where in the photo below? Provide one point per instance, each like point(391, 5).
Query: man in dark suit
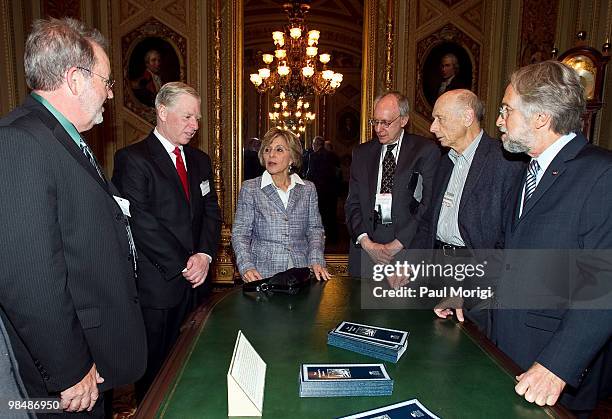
point(323, 170)
point(175, 218)
point(68, 293)
point(390, 185)
point(562, 202)
point(471, 187)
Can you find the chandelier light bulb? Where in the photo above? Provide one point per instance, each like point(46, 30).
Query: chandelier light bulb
point(314, 35)
point(328, 74)
point(324, 58)
point(312, 51)
point(282, 95)
point(255, 79)
point(283, 70)
point(267, 58)
point(295, 32)
point(286, 114)
point(306, 105)
point(276, 105)
point(264, 73)
point(307, 71)
point(298, 114)
point(278, 36)
point(284, 104)
point(280, 54)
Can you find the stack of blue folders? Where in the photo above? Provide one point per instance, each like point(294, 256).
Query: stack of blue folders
point(333, 380)
point(377, 342)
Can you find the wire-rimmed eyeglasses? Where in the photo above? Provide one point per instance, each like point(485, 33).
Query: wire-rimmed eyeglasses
point(108, 82)
point(383, 123)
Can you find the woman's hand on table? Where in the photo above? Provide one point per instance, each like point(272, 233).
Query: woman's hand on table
point(320, 272)
point(251, 275)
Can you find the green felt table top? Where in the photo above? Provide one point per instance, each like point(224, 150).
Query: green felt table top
point(443, 366)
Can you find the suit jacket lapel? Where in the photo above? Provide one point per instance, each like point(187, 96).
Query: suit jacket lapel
point(64, 139)
point(445, 169)
point(270, 192)
point(553, 172)
point(67, 141)
point(372, 171)
point(294, 196)
point(164, 162)
point(476, 168)
point(193, 179)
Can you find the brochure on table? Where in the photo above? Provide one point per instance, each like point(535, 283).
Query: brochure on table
point(245, 380)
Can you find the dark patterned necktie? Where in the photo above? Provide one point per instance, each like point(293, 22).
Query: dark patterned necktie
point(530, 180)
point(388, 170)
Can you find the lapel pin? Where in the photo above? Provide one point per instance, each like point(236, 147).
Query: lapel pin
point(555, 172)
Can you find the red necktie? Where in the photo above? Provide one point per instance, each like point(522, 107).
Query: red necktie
point(182, 172)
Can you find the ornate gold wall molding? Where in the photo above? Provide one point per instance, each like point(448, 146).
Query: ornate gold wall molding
point(369, 71)
point(8, 71)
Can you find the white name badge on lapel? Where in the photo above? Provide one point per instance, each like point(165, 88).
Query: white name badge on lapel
point(384, 202)
point(124, 204)
point(205, 187)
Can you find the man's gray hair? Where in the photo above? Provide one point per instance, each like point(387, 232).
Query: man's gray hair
point(170, 92)
point(56, 45)
point(402, 101)
point(552, 88)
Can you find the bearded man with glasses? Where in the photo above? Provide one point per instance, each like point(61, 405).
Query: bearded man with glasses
point(390, 185)
point(68, 292)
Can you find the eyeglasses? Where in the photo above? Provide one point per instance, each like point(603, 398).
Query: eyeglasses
point(108, 82)
point(504, 111)
point(383, 123)
point(278, 149)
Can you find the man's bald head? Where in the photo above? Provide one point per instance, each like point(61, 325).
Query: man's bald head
point(457, 115)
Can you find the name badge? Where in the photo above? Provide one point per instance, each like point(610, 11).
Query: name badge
point(384, 201)
point(124, 204)
point(205, 187)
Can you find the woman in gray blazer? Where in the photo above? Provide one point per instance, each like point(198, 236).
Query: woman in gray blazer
point(277, 224)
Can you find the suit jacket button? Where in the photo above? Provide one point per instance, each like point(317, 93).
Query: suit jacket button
point(286, 219)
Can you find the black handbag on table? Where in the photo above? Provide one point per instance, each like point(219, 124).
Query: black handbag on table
point(287, 282)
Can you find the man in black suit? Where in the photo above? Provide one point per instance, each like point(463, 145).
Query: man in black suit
point(562, 202)
point(471, 187)
point(323, 170)
point(390, 185)
point(175, 218)
point(68, 293)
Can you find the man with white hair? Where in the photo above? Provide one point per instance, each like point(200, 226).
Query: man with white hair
point(563, 203)
point(175, 217)
point(67, 287)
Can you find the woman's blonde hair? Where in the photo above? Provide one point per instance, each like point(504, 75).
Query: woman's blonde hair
point(295, 146)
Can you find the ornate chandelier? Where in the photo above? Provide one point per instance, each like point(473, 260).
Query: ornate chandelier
point(300, 70)
point(291, 114)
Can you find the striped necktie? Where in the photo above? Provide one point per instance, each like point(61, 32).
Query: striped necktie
point(530, 180)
